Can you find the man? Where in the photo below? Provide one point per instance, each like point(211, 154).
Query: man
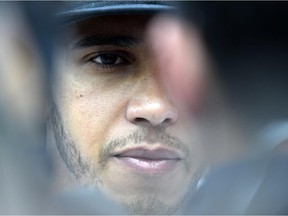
point(118, 118)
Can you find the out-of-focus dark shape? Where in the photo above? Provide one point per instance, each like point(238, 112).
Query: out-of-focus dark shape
point(248, 42)
point(248, 45)
point(253, 186)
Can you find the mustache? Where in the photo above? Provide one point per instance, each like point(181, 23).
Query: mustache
point(150, 136)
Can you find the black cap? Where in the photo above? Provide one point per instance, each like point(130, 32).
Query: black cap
point(72, 12)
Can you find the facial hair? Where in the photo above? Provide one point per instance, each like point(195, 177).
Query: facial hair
point(88, 173)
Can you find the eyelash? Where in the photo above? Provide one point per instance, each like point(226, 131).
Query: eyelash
point(125, 57)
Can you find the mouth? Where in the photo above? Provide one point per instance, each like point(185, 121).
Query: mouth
point(143, 159)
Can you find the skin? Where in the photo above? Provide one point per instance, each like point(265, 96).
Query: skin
point(98, 109)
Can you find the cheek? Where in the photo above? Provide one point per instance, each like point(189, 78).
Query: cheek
point(90, 117)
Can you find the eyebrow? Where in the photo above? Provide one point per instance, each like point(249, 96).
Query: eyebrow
point(96, 40)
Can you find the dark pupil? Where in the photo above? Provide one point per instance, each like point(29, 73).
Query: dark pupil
point(108, 58)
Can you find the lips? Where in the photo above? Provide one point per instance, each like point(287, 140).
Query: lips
point(149, 161)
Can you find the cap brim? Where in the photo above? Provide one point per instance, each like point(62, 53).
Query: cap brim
point(79, 14)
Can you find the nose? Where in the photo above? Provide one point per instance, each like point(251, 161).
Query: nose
point(151, 105)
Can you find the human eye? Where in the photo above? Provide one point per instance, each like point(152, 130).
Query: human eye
point(108, 59)
point(111, 59)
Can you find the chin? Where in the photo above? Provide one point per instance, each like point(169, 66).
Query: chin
point(150, 195)
point(149, 203)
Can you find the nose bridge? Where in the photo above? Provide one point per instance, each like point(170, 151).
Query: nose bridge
point(151, 103)
point(152, 88)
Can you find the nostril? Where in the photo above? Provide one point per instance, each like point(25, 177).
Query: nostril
point(140, 120)
point(167, 120)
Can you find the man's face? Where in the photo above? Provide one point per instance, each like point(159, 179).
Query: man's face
point(116, 124)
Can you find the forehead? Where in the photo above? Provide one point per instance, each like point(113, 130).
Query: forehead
point(130, 25)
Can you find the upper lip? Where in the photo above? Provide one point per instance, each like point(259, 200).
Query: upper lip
point(159, 153)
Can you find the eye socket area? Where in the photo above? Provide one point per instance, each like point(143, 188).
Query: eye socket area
point(111, 58)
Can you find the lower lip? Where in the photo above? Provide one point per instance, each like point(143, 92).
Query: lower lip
point(148, 166)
